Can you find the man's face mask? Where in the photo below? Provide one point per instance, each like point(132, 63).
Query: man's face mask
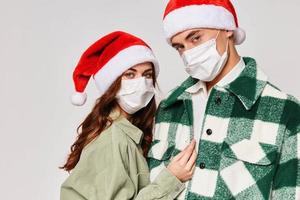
point(204, 62)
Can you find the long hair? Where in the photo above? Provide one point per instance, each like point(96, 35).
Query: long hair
point(98, 120)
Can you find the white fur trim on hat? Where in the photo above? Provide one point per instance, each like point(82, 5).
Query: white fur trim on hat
point(121, 62)
point(78, 98)
point(200, 16)
point(239, 36)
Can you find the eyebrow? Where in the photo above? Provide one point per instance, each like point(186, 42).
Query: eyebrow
point(148, 70)
point(133, 69)
point(191, 34)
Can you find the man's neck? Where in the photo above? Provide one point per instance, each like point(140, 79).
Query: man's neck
point(233, 59)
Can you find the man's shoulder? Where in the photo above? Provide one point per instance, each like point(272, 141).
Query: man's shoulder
point(273, 91)
point(293, 108)
point(174, 93)
point(290, 103)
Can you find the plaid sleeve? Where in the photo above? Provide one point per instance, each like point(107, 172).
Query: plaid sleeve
point(153, 162)
point(286, 184)
point(159, 153)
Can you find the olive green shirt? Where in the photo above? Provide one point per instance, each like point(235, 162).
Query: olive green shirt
point(112, 167)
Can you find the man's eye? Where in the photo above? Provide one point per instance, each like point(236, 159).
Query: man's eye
point(179, 48)
point(196, 39)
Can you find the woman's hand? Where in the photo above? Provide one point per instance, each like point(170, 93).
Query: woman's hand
point(183, 164)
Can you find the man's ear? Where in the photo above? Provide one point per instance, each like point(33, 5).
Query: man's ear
point(229, 34)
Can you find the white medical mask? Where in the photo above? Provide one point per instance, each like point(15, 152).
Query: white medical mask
point(135, 94)
point(204, 62)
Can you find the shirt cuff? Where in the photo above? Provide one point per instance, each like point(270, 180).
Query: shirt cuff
point(169, 183)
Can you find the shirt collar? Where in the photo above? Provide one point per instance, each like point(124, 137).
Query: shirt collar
point(200, 85)
point(233, 74)
point(247, 86)
point(127, 127)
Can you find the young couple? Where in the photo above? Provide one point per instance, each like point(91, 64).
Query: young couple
point(224, 133)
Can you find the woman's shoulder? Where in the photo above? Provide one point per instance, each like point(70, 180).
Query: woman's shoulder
point(120, 137)
point(112, 136)
point(112, 147)
point(99, 153)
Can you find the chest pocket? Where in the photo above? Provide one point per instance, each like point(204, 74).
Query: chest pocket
point(250, 151)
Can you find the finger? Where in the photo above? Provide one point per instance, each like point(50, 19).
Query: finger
point(193, 168)
point(191, 173)
point(189, 145)
point(179, 155)
point(191, 161)
point(192, 145)
point(188, 152)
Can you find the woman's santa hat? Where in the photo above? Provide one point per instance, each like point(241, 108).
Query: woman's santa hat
point(107, 59)
point(181, 15)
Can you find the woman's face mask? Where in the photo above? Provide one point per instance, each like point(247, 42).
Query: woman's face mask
point(135, 94)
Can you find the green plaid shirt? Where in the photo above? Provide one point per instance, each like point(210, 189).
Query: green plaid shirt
point(249, 146)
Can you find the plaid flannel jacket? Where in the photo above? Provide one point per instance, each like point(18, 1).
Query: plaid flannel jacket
point(250, 139)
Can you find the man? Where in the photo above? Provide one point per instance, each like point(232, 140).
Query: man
point(247, 130)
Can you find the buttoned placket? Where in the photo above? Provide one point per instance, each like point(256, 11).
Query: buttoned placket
point(200, 97)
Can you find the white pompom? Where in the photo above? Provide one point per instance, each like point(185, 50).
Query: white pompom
point(78, 98)
point(239, 36)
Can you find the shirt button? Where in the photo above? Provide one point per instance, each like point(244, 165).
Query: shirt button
point(202, 165)
point(209, 131)
point(218, 100)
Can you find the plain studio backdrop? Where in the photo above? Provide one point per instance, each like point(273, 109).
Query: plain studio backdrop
point(40, 44)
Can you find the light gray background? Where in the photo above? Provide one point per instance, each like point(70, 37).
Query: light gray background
point(41, 42)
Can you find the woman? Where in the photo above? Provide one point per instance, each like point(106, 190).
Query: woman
point(108, 158)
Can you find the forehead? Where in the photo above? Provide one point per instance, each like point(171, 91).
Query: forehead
point(142, 67)
point(179, 37)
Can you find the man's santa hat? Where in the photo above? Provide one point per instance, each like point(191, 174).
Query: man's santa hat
point(107, 59)
point(181, 15)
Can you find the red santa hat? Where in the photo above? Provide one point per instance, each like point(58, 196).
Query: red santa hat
point(107, 59)
point(181, 15)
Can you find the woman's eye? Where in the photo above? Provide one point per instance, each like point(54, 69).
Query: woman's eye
point(129, 75)
point(148, 75)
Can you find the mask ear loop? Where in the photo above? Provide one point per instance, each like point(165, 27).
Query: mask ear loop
point(227, 41)
point(218, 35)
point(227, 45)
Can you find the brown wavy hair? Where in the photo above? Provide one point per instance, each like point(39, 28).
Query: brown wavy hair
point(98, 120)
